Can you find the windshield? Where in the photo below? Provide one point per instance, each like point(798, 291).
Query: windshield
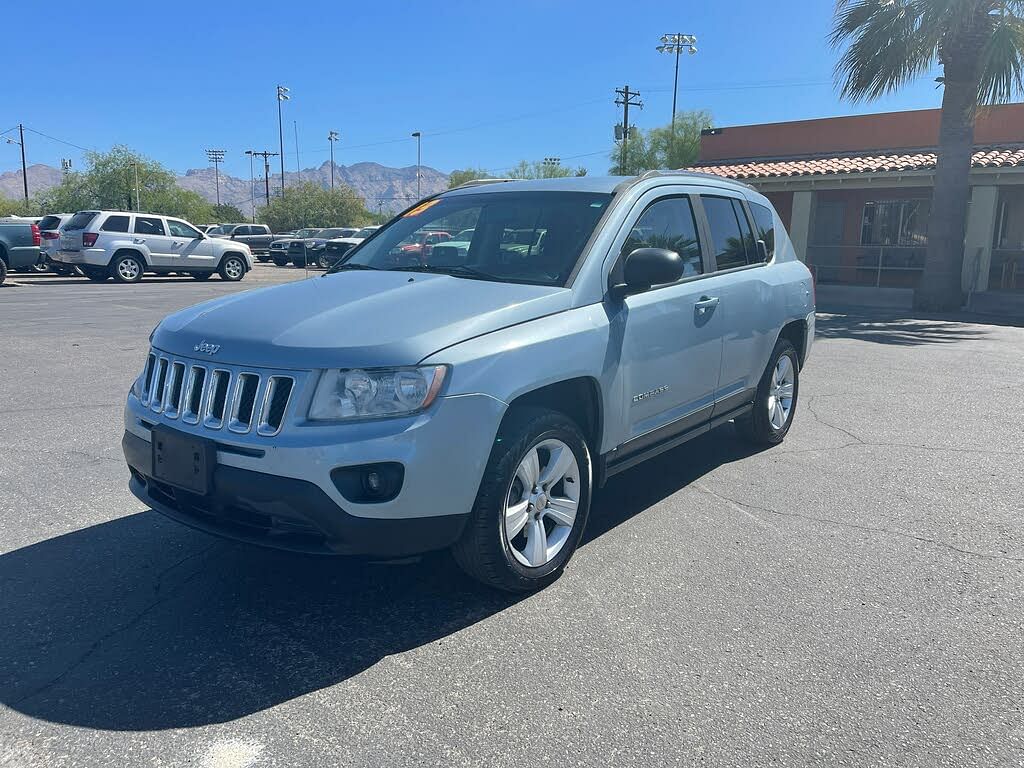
point(523, 237)
point(365, 232)
point(222, 230)
point(308, 232)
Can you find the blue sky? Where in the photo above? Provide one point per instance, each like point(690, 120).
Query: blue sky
point(488, 83)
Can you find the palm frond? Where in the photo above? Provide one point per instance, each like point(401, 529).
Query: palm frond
point(889, 43)
point(1002, 74)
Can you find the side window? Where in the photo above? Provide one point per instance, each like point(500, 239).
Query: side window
point(668, 223)
point(764, 220)
point(261, 229)
point(243, 231)
point(148, 225)
point(181, 229)
point(726, 236)
point(115, 224)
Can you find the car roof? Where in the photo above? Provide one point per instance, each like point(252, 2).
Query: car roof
point(593, 184)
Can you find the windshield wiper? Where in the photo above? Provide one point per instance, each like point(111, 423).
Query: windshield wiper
point(348, 265)
point(456, 270)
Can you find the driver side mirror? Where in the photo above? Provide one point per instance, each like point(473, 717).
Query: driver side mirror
point(645, 267)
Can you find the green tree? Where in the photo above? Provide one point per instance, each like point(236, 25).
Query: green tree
point(227, 214)
point(18, 207)
point(310, 205)
point(459, 177)
point(979, 45)
point(109, 182)
point(656, 148)
point(537, 169)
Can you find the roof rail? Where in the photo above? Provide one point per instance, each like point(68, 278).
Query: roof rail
point(479, 182)
point(699, 174)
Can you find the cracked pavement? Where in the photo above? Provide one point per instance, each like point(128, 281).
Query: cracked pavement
point(851, 597)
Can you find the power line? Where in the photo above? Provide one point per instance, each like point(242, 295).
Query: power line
point(60, 141)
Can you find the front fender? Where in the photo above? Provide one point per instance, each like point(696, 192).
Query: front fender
point(510, 362)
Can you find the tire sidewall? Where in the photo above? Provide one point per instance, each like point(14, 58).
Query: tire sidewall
point(783, 348)
point(224, 270)
point(504, 475)
point(116, 274)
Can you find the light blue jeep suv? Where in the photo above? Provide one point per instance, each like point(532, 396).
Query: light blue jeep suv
point(476, 398)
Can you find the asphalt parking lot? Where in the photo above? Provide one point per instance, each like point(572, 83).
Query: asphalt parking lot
point(852, 597)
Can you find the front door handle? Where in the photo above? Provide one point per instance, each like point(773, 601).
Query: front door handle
point(705, 304)
point(176, 245)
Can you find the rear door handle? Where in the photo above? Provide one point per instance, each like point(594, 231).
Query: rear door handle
point(706, 303)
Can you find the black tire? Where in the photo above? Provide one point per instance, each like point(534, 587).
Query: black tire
point(281, 261)
point(201, 276)
point(40, 266)
point(3, 271)
point(61, 269)
point(757, 426)
point(262, 258)
point(483, 551)
point(127, 268)
point(325, 261)
point(232, 268)
point(96, 274)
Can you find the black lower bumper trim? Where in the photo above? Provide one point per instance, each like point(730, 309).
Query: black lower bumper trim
point(283, 513)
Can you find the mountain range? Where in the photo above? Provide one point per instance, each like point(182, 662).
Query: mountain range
point(383, 188)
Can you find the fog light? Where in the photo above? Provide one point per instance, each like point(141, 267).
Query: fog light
point(369, 483)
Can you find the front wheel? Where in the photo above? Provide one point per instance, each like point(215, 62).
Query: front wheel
point(325, 261)
point(775, 401)
point(532, 505)
point(232, 269)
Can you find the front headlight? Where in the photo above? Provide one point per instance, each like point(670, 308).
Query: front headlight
point(361, 394)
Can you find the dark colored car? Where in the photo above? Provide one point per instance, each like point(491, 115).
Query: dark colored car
point(257, 236)
point(307, 251)
point(19, 245)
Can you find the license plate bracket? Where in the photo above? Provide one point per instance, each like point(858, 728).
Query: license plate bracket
point(183, 460)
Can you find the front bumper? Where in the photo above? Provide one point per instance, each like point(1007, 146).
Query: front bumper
point(287, 478)
point(283, 513)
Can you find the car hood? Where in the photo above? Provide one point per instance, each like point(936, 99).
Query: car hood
point(351, 319)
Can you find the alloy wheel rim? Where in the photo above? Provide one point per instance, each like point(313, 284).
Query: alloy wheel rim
point(128, 269)
point(542, 503)
point(780, 394)
point(233, 268)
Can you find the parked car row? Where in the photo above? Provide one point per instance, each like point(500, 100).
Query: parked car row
point(317, 247)
point(20, 241)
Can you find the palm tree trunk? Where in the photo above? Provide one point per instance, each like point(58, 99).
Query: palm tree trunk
point(960, 54)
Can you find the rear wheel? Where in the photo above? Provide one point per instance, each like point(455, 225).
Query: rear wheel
point(3, 271)
point(232, 268)
point(532, 505)
point(281, 261)
point(775, 401)
point(127, 269)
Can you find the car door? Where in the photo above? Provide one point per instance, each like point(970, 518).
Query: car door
point(192, 249)
point(150, 232)
point(671, 335)
point(745, 295)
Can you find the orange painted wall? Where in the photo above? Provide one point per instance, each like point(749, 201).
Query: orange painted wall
point(891, 130)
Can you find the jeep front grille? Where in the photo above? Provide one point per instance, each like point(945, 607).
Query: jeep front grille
point(216, 397)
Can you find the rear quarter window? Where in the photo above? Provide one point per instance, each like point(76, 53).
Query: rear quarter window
point(764, 221)
point(115, 224)
point(81, 220)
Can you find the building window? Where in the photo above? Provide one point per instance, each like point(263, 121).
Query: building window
point(895, 222)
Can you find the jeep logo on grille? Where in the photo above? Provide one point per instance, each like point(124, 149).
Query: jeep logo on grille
point(206, 347)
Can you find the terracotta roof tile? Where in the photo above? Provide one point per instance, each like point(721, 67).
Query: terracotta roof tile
point(984, 157)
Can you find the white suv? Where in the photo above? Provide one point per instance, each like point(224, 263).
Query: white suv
point(123, 245)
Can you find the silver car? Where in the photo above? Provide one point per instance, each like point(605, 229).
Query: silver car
point(477, 401)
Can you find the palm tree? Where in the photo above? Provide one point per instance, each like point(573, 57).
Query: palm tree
point(980, 46)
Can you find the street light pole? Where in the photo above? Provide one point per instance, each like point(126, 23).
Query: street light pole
point(676, 43)
point(282, 95)
point(216, 156)
point(332, 137)
point(418, 136)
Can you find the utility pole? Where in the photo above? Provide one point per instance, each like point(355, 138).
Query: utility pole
point(24, 168)
point(626, 98)
point(282, 95)
point(216, 156)
point(266, 169)
point(252, 184)
point(332, 137)
point(418, 136)
point(138, 197)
